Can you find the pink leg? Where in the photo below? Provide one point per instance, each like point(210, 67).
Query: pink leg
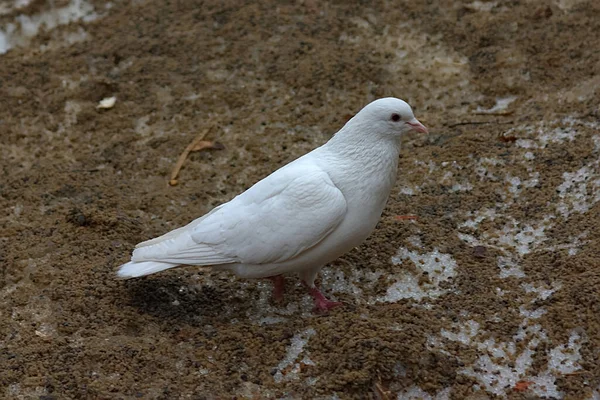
point(278, 287)
point(322, 303)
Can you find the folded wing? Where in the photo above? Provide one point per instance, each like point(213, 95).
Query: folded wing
point(281, 216)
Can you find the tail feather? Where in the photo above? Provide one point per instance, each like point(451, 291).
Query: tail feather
point(134, 269)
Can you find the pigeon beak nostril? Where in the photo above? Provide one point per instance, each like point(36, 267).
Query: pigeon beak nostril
point(417, 126)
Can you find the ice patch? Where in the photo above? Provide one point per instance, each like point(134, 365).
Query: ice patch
point(525, 239)
point(573, 246)
point(299, 340)
point(543, 133)
point(433, 268)
point(415, 241)
point(479, 217)
point(526, 144)
point(531, 314)
point(354, 283)
point(512, 237)
point(502, 365)
point(26, 27)
point(515, 184)
point(416, 393)
point(465, 334)
point(557, 135)
point(543, 293)
point(482, 168)
point(565, 359)
point(579, 191)
point(501, 105)
point(407, 191)
point(336, 281)
point(460, 187)
point(499, 367)
point(509, 267)
point(596, 139)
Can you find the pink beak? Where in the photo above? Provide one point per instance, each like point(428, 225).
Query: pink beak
point(417, 126)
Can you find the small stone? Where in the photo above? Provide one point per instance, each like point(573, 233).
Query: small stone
point(480, 251)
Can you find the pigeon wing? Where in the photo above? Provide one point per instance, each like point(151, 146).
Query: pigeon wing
point(275, 220)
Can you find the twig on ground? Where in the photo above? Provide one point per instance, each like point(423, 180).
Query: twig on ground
point(479, 123)
point(196, 145)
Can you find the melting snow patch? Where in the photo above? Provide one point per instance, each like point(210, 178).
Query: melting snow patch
point(430, 165)
point(459, 187)
point(28, 26)
point(407, 191)
point(501, 371)
point(501, 365)
point(512, 237)
point(531, 314)
point(557, 135)
point(353, 283)
point(515, 184)
point(336, 280)
point(578, 192)
point(296, 347)
point(434, 266)
point(502, 103)
point(482, 168)
point(523, 240)
point(549, 132)
point(465, 334)
point(596, 140)
point(509, 267)
point(415, 241)
point(526, 143)
point(565, 359)
point(543, 293)
point(416, 393)
point(573, 246)
point(479, 217)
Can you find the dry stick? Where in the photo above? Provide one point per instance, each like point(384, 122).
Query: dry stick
point(380, 392)
point(183, 156)
point(479, 123)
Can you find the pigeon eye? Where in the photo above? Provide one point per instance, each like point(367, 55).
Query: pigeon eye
point(395, 117)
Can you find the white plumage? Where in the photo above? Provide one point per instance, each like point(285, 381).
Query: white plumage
point(300, 217)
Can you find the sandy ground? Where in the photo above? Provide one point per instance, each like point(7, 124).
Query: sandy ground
point(492, 292)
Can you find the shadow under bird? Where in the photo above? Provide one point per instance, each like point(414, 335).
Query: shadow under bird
point(302, 216)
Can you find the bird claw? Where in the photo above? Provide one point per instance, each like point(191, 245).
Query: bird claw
point(325, 306)
point(322, 303)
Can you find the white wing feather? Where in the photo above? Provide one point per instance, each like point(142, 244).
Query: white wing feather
point(275, 220)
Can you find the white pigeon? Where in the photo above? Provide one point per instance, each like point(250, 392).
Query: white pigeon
point(302, 216)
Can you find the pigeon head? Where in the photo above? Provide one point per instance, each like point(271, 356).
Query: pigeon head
point(389, 116)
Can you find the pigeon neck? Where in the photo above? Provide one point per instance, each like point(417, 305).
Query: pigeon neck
point(363, 143)
point(363, 164)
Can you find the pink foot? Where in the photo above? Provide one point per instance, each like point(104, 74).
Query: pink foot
point(278, 287)
point(322, 303)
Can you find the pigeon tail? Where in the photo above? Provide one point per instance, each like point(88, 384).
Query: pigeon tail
point(134, 269)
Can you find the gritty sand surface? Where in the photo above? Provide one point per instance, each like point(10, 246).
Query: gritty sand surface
point(493, 292)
